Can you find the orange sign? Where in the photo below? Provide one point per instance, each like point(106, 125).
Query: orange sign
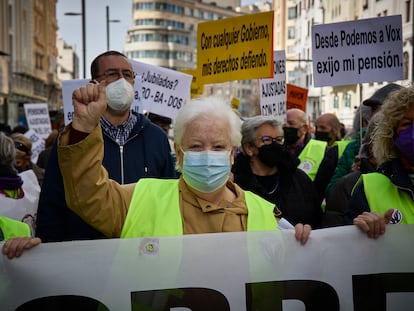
point(296, 97)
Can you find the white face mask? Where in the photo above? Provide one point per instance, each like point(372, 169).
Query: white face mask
point(119, 94)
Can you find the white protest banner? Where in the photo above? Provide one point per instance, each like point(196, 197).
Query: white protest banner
point(68, 86)
point(273, 90)
point(38, 144)
point(366, 50)
point(38, 119)
point(338, 269)
point(164, 91)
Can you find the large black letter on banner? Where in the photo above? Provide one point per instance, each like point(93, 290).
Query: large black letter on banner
point(63, 303)
point(195, 299)
point(268, 296)
point(370, 290)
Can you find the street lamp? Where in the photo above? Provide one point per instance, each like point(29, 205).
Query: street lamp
point(83, 35)
point(107, 26)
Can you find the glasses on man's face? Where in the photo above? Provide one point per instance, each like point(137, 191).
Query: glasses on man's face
point(268, 140)
point(114, 74)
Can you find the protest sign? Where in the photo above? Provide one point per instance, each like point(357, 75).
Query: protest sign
point(273, 90)
point(38, 119)
point(236, 48)
point(38, 144)
point(68, 86)
point(296, 97)
point(338, 269)
point(196, 88)
point(164, 91)
point(365, 50)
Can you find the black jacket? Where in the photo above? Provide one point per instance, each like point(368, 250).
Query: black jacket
point(145, 154)
point(296, 196)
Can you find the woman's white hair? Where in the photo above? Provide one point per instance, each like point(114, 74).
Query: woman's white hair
point(210, 106)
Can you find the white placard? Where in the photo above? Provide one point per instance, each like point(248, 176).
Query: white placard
point(164, 91)
point(338, 269)
point(365, 50)
point(38, 119)
point(68, 86)
point(273, 90)
point(38, 144)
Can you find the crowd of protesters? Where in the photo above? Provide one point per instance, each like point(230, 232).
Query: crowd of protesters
point(101, 175)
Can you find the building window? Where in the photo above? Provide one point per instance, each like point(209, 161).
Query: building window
point(292, 13)
point(347, 100)
point(201, 14)
point(407, 11)
point(291, 32)
point(406, 64)
point(336, 102)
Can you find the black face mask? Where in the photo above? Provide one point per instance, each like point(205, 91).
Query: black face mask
point(276, 155)
point(323, 136)
point(291, 135)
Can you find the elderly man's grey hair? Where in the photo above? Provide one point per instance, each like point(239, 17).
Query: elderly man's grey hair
point(251, 125)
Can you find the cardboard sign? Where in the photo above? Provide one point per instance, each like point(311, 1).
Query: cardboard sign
point(236, 48)
point(196, 88)
point(38, 119)
point(38, 144)
point(68, 86)
point(296, 97)
point(163, 91)
point(365, 50)
point(273, 90)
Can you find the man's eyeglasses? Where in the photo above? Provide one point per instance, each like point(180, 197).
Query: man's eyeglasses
point(18, 145)
point(115, 74)
point(268, 140)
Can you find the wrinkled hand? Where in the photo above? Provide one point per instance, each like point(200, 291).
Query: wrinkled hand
point(372, 223)
point(89, 103)
point(302, 232)
point(14, 247)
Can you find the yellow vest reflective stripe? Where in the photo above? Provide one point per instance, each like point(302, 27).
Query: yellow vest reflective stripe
point(382, 195)
point(155, 210)
point(341, 146)
point(312, 156)
point(12, 228)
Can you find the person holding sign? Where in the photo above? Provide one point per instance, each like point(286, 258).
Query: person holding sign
point(202, 200)
point(133, 148)
point(386, 196)
point(266, 168)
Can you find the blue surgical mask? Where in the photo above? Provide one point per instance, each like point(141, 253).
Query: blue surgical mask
point(206, 171)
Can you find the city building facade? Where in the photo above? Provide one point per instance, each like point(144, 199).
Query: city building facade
point(29, 57)
point(341, 100)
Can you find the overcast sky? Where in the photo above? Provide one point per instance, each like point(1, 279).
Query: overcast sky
point(70, 27)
